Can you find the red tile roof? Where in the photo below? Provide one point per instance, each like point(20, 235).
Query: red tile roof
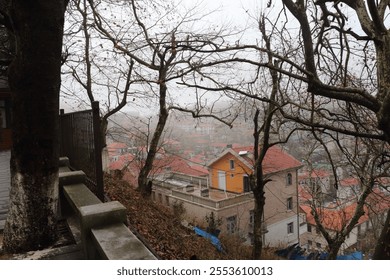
point(116, 145)
point(315, 173)
point(348, 182)
point(121, 162)
point(177, 164)
point(336, 219)
point(276, 159)
point(304, 195)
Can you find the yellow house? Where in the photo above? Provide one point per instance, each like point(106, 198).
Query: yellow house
point(231, 170)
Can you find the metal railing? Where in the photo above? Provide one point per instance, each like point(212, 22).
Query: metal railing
point(80, 141)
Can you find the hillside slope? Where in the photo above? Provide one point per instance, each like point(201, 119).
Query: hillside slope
point(159, 228)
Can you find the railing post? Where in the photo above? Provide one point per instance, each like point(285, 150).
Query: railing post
point(98, 150)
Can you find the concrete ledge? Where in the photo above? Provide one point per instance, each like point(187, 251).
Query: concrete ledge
point(64, 161)
point(98, 215)
point(101, 227)
point(103, 213)
point(71, 177)
point(117, 242)
point(79, 195)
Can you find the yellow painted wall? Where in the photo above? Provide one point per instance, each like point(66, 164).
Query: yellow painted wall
point(234, 177)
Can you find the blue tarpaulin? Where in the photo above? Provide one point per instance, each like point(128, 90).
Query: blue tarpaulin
point(295, 252)
point(213, 239)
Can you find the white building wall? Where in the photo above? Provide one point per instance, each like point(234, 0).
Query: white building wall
point(277, 234)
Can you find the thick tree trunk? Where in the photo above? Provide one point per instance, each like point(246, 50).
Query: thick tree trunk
point(34, 78)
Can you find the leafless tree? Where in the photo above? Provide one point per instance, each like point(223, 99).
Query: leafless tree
point(102, 73)
point(161, 58)
point(343, 63)
point(363, 157)
point(334, 72)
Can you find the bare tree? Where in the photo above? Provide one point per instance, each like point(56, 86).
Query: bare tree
point(102, 73)
point(363, 159)
point(344, 63)
point(335, 78)
point(162, 57)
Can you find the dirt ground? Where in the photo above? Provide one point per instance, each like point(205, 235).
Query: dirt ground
point(159, 226)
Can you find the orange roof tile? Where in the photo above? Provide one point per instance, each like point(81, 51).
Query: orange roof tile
point(348, 182)
point(121, 162)
point(176, 164)
point(276, 159)
point(334, 219)
point(116, 145)
point(315, 173)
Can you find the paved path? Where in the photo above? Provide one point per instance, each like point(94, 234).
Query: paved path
point(4, 186)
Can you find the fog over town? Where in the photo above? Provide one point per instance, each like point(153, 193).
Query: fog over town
point(243, 129)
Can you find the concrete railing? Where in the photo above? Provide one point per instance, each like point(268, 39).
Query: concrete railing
point(99, 227)
point(195, 199)
point(193, 180)
point(210, 202)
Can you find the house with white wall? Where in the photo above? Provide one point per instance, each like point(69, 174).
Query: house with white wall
point(335, 219)
point(227, 193)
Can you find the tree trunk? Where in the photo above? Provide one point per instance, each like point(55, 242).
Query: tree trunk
point(34, 78)
point(334, 248)
point(258, 223)
point(383, 73)
point(143, 185)
point(382, 249)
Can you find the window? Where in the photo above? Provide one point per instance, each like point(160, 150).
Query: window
point(289, 203)
point(308, 227)
point(289, 179)
point(246, 183)
point(231, 163)
point(310, 243)
point(290, 228)
point(167, 200)
point(231, 224)
point(251, 238)
point(317, 230)
point(318, 245)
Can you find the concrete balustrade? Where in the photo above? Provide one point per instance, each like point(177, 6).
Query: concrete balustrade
point(101, 228)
